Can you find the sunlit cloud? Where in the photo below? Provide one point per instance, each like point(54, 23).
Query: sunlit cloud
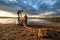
point(7, 14)
point(47, 13)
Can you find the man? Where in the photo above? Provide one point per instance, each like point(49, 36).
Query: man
point(19, 12)
point(25, 19)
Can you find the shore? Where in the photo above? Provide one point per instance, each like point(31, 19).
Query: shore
point(18, 32)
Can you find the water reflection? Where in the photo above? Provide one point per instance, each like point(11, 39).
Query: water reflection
point(29, 21)
point(39, 21)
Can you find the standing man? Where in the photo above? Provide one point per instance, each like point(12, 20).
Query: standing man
point(25, 19)
point(19, 12)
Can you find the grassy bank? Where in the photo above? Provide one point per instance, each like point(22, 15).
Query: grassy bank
point(56, 19)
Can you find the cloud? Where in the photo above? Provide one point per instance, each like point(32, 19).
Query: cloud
point(7, 14)
point(42, 7)
point(39, 6)
point(47, 13)
point(9, 5)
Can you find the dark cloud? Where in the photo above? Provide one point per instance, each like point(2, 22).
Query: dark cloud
point(8, 5)
point(34, 6)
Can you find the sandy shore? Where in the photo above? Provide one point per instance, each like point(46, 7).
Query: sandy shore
point(17, 32)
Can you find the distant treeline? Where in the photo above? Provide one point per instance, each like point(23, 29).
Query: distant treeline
point(56, 19)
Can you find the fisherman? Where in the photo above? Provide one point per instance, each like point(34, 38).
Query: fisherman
point(19, 12)
point(25, 19)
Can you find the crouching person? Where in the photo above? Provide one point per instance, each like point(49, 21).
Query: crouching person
point(19, 21)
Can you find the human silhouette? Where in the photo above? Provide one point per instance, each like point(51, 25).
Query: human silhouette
point(25, 17)
point(19, 12)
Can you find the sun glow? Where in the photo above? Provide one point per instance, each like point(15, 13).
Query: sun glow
point(7, 14)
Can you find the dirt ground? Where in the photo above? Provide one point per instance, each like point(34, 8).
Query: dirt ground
point(17, 32)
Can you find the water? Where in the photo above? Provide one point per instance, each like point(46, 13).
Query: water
point(39, 21)
point(8, 20)
point(30, 21)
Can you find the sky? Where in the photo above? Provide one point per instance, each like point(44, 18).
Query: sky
point(34, 7)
